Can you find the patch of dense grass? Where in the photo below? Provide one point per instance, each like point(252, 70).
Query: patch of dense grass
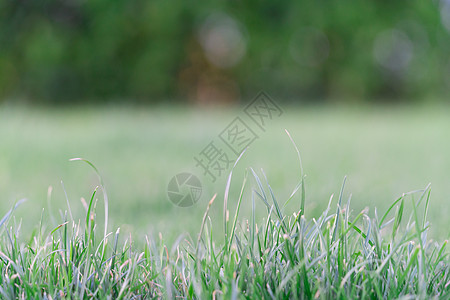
point(338, 255)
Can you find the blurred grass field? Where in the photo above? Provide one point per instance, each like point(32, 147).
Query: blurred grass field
point(384, 151)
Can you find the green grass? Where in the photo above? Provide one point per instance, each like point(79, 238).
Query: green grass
point(341, 254)
point(383, 151)
point(271, 230)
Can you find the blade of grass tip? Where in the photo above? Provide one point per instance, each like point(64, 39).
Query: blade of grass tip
point(297, 187)
point(367, 240)
point(9, 213)
point(441, 251)
point(225, 198)
point(425, 213)
point(345, 224)
point(67, 200)
point(275, 202)
point(58, 227)
point(88, 214)
point(203, 223)
point(424, 192)
point(398, 219)
point(296, 149)
point(105, 195)
point(41, 224)
point(92, 166)
point(263, 193)
point(268, 206)
point(233, 227)
point(389, 209)
point(336, 221)
point(302, 201)
point(268, 223)
point(352, 225)
point(49, 206)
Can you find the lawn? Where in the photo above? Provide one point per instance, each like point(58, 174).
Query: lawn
point(383, 151)
point(247, 242)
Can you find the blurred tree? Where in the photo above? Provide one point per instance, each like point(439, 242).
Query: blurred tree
point(148, 51)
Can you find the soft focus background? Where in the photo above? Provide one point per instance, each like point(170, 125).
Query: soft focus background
point(141, 87)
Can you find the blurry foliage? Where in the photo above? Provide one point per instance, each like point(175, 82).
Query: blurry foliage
point(148, 51)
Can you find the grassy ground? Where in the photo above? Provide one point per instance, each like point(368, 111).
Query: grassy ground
point(384, 152)
point(339, 255)
point(252, 243)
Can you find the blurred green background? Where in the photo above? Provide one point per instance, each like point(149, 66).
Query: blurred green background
point(72, 51)
point(141, 87)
